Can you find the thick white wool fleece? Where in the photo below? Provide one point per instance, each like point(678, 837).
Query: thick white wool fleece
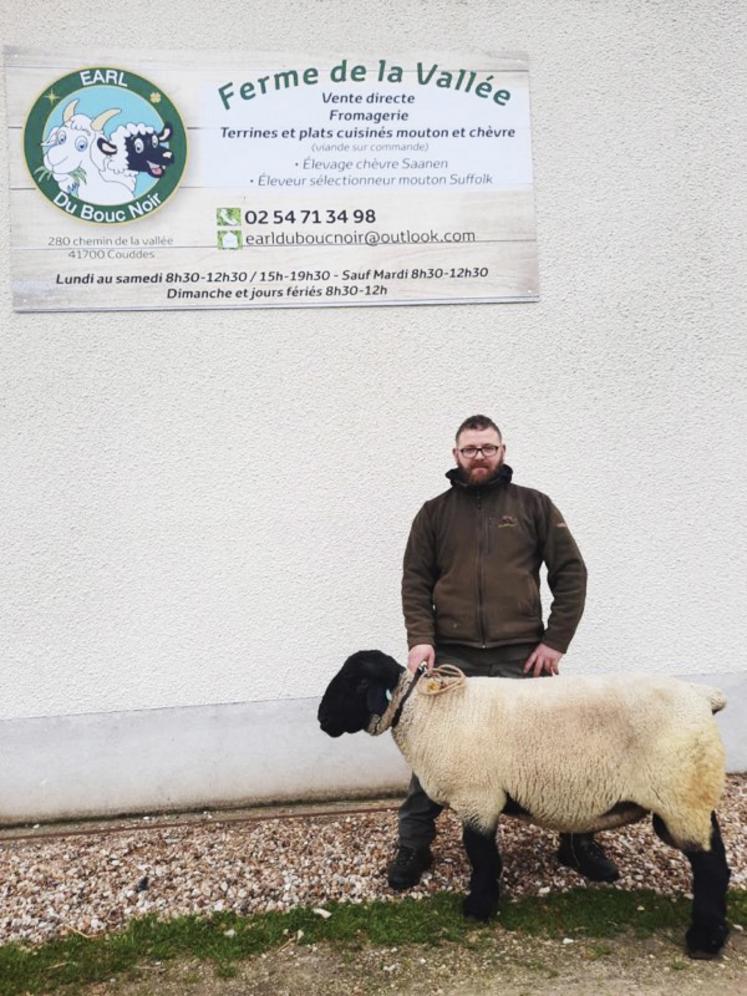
point(569, 749)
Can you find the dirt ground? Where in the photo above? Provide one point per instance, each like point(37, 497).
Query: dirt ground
point(490, 962)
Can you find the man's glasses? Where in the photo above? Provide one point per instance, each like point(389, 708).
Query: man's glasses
point(470, 452)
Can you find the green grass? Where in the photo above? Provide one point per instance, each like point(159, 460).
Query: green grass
point(77, 960)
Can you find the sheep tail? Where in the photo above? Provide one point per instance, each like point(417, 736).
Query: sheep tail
point(716, 698)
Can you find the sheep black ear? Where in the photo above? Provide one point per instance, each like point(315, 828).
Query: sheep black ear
point(379, 668)
point(106, 147)
point(376, 700)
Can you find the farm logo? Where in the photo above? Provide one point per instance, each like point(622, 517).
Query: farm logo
point(105, 145)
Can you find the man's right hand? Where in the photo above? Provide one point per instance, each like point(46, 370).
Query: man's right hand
point(423, 653)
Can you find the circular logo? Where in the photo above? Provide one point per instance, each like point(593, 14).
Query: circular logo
point(105, 145)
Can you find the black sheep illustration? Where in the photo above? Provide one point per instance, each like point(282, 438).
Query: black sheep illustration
point(137, 148)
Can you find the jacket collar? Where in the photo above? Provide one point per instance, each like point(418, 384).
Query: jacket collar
point(504, 475)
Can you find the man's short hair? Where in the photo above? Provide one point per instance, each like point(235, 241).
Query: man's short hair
point(478, 422)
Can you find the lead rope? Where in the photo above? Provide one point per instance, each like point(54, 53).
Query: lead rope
point(444, 678)
point(420, 670)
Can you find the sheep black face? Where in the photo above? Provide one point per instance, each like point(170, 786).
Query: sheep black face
point(358, 692)
point(145, 151)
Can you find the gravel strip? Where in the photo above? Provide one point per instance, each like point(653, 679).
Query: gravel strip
point(98, 883)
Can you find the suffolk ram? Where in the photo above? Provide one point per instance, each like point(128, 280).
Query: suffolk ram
point(572, 754)
point(73, 157)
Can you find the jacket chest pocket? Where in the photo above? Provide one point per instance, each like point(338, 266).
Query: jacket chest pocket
point(509, 538)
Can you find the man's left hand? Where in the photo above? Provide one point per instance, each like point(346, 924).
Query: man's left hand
point(543, 660)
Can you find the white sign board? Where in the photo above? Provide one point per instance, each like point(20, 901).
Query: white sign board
point(207, 181)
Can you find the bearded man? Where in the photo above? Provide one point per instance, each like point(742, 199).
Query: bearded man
point(471, 597)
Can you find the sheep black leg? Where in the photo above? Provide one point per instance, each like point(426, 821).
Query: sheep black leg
point(708, 930)
point(482, 851)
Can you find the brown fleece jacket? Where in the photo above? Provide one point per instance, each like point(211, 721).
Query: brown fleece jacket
point(471, 568)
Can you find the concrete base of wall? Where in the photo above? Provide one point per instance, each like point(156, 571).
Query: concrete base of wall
point(161, 760)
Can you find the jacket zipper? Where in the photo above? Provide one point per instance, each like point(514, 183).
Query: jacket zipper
point(480, 533)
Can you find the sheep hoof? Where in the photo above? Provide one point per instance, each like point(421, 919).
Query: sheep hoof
point(480, 906)
point(583, 854)
point(704, 941)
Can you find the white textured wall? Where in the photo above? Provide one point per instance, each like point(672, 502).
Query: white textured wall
point(212, 508)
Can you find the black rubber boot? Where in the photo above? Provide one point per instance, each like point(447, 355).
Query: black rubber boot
point(408, 866)
point(582, 853)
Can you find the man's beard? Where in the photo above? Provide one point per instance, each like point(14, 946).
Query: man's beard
point(469, 476)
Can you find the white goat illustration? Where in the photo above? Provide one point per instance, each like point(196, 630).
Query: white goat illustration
point(72, 156)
